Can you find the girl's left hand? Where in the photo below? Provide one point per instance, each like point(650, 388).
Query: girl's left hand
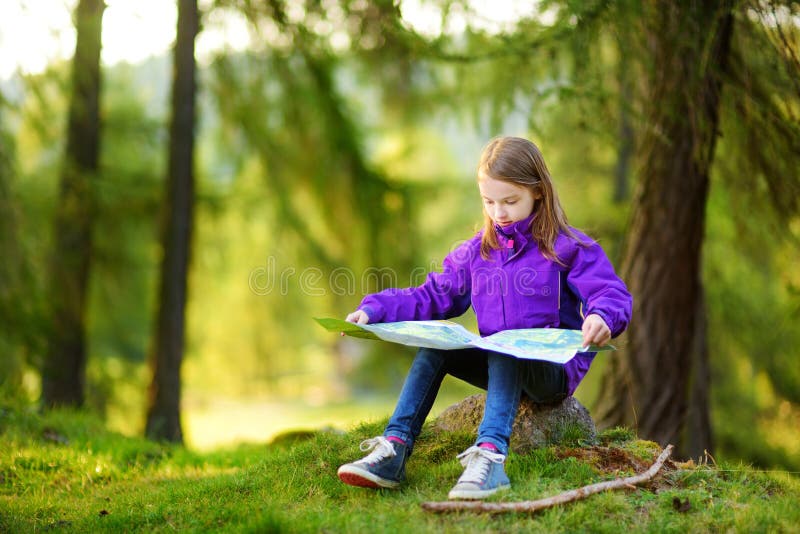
point(595, 331)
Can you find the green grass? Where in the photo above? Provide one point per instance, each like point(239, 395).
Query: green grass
point(64, 472)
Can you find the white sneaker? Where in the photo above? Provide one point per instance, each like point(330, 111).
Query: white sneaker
point(483, 474)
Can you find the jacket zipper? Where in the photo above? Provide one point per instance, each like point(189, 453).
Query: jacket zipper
point(559, 291)
point(503, 303)
point(509, 253)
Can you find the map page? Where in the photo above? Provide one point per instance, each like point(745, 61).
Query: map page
point(547, 344)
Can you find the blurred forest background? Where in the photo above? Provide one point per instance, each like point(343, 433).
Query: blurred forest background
point(170, 226)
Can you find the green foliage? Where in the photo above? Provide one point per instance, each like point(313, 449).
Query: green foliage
point(64, 471)
point(11, 365)
point(616, 435)
point(21, 320)
point(129, 194)
point(752, 332)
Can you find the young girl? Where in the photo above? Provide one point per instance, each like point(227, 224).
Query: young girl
point(527, 268)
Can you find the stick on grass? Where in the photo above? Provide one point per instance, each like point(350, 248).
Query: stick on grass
point(549, 502)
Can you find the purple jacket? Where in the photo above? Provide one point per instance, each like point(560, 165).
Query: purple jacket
point(516, 288)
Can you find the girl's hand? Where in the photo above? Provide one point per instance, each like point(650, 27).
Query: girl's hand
point(358, 317)
point(595, 331)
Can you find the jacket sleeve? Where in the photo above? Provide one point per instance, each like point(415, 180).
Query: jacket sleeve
point(601, 291)
point(443, 294)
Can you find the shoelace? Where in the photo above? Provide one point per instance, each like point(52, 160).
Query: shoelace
point(381, 448)
point(477, 462)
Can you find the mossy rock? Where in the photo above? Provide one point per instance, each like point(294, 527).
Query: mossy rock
point(537, 425)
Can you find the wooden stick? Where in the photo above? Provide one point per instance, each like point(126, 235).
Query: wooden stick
point(541, 504)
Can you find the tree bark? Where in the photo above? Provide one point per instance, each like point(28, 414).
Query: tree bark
point(64, 365)
point(647, 386)
point(163, 413)
point(697, 436)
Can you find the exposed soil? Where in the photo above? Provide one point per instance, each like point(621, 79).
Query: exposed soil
point(611, 460)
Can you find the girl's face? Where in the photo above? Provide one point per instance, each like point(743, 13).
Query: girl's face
point(506, 202)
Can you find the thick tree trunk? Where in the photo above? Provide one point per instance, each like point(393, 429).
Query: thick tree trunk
point(647, 386)
point(64, 366)
point(163, 414)
point(697, 434)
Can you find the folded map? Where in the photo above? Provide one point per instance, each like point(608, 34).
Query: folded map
point(548, 344)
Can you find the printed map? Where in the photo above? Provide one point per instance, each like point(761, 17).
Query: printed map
point(547, 344)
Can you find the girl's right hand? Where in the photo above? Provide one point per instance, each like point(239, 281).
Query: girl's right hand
point(358, 317)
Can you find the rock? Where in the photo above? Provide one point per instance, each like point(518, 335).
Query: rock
point(536, 425)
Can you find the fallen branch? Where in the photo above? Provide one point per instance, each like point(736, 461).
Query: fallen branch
point(541, 504)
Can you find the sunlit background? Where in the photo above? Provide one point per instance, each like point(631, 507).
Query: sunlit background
point(256, 364)
point(39, 33)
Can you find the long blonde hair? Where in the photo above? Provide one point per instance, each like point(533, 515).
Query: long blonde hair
point(519, 161)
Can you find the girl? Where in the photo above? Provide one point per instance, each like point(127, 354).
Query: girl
point(527, 268)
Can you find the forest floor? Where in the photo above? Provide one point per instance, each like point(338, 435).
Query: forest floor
point(64, 471)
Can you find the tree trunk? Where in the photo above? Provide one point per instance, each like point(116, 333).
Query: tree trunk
point(697, 435)
point(163, 413)
point(647, 386)
point(64, 366)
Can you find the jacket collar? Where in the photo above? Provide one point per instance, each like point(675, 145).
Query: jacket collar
point(518, 231)
point(514, 237)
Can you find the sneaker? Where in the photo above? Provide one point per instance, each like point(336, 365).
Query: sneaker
point(483, 474)
point(384, 467)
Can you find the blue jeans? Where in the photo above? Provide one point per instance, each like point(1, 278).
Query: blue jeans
point(503, 377)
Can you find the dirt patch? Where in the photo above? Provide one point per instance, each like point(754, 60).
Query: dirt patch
point(619, 463)
point(606, 459)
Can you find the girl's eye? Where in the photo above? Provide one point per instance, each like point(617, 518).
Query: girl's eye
point(511, 202)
